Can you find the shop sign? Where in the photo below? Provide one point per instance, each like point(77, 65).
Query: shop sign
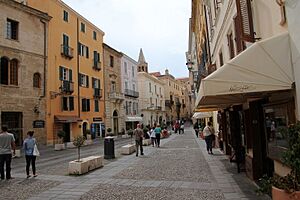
point(97, 119)
point(38, 124)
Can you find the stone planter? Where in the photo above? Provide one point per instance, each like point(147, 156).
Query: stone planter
point(88, 142)
point(125, 136)
point(70, 145)
point(59, 147)
point(278, 194)
point(146, 142)
point(85, 165)
point(128, 149)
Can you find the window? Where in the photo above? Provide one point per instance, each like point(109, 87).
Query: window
point(151, 104)
point(68, 103)
point(150, 87)
point(82, 27)
point(126, 107)
point(9, 71)
point(65, 74)
point(85, 103)
point(221, 59)
point(155, 89)
point(126, 85)
point(132, 70)
point(133, 87)
point(83, 80)
point(13, 72)
point(12, 29)
point(245, 20)
point(94, 35)
point(83, 50)
point(66, 16)
point(111, 61)
point(160, 90)
point(65, 40)
point(96, 106)
point(36, 80)
point(125, 67)
point(95, 83)
point(113, 86)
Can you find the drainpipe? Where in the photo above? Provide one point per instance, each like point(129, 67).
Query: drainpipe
point(78, 88)
point(45, 58)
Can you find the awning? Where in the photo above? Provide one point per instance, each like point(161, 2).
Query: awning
point(263, 67)
point(200, 115)
point(133, 119)
point(67, 119)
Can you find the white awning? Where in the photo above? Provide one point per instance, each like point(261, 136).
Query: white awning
point(200, 115)
point(133, 119)
point(263, 67)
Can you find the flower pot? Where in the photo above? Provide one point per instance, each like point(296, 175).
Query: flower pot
point(279, 194)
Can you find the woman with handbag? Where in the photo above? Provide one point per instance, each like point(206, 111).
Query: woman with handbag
point(31, 152)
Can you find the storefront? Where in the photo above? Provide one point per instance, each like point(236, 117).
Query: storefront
point(253, 92)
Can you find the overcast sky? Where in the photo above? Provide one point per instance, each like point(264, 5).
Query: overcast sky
point(159, 27)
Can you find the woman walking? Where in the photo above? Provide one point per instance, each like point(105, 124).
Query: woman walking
point(152, 136)
point(208, 135)
point(157, 131)
point(28, 146)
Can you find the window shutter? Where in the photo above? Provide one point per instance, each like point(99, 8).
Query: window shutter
point(70, 75)
point(230, 45)
point(79, 79)
point(83, 104)
point(99, 84)
point(98, 56)
point(88, 105)
point(87, 52)
point(238, 35)
point(79, 48)
point(95, 56)
point(93, 82)
point(87, 81)
point(244, 13)
point(71, 103)
point(60, 73)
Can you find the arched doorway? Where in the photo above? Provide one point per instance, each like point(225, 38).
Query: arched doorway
point(115, 122)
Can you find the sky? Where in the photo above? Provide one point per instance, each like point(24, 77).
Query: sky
point(159, 27)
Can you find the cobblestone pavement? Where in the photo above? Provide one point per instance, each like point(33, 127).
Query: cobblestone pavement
point(181, 169)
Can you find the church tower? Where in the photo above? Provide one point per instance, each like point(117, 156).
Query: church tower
point(142, 64)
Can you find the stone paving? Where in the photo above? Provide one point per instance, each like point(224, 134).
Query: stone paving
point(180, 169)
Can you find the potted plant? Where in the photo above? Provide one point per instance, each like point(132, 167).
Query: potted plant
point(78, 142)
point(60, 144)
point(109, 132)
point(287, 187)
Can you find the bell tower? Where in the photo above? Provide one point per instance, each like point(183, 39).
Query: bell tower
point(142, 64)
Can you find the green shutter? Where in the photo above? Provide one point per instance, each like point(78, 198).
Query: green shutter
point(70, 75)
point(61, 73)
point(87, 52)
point(87, 81)
point(71, 103)
point(88, 105)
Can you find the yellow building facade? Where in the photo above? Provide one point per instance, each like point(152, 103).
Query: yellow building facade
point(75, 72)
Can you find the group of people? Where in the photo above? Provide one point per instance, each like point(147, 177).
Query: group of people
point(8, 150)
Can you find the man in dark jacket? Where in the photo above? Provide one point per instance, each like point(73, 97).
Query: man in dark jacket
point(138, 132)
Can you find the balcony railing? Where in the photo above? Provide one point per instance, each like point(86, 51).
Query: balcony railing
point(97, 92)
point(97, 65)
point(131, 93)
point(116, 96)
point(67, 51)
point(67, 87)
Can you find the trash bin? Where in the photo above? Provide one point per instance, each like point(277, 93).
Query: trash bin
point(109, 148)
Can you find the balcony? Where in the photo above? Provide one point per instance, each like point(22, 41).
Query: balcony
point(97, 93)
point(67, 87)
point(131, 93)
point(67, 51)
point(116, 96)
point(168, 103)
point(97, 65)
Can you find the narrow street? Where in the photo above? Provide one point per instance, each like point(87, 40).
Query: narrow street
point(180, 169)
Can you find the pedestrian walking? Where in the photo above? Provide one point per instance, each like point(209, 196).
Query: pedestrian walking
point(181, 129)
point(196, 128)
point(208, 136)
point(7, 144)
point(29, 146)
point(157, 131)
point(152, 136)
point(138, 132)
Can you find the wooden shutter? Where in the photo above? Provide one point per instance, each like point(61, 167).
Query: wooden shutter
point(88, 105)
point(93, 82)
point(79, 49)
point(61, 73)
point(238, 35)
point(83, 102)
point(71, 103)
point(87, 52)
point(98, 84)
point(70, 75)
point(230, 45)
point(87, 81)
point(244, 13)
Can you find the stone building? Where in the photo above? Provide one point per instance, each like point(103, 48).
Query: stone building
point(114, 110)
point(23, 66)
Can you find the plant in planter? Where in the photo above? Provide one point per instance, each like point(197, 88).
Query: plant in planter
point(109, 132)
point(78, 142)
point(287, 187)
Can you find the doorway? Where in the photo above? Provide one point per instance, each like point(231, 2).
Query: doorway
point(115, 122)
point(66, 129)
point(14, 122)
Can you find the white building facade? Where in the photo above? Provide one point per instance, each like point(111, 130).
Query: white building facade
point(130, 89)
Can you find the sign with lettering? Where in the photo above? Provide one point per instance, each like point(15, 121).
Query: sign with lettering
point(97, 119)
point(38, 124)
